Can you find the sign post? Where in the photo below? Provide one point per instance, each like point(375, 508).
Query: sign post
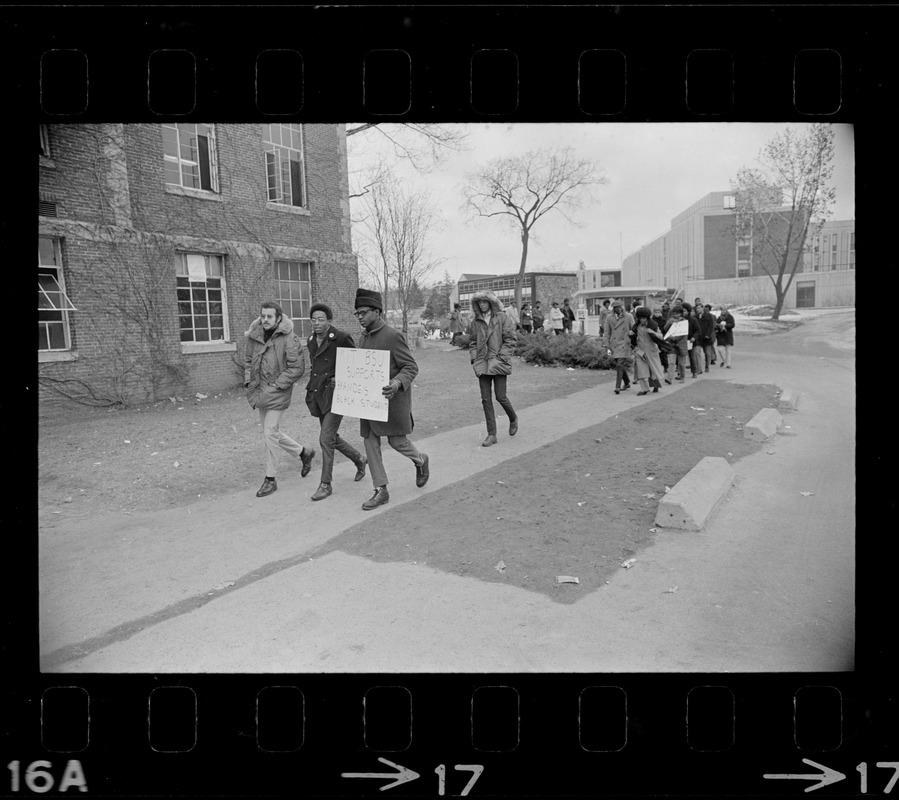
point(359, 377)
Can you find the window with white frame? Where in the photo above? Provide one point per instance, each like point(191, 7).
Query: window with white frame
point(45, 140)
point(53, 304)
point(202, 303)
point(285, 165)
point(189, 153)
point(730, 201)
point(816, 259)
point(834, 259)
point(744, 257)
point(293, 291)
point(852, 250)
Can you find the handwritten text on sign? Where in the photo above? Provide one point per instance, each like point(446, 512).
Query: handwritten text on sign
point(360, 376)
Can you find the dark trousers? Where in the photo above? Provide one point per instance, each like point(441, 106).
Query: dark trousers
point(709, 350)
point(499, 389)
point(330, 440)
point(527, 328)
point(621, 366)
point(663, 357)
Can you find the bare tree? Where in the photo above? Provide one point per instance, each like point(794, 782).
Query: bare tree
point(525, 188)
point(786, 198)
point(421, 144)
point(396, 228)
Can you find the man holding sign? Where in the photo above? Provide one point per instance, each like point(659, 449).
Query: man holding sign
point(377, 335)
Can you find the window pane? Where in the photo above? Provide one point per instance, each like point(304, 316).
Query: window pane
point(46, 252)
point(57, 336)
point(205, 180)
point(216, 321)
point(43, 341)
point(187, 335)
point(191, 176)
point(217, 334)
point(271, 175)
point(172, 173)
point(199, 308)
point(184, 308)
point(285, 180)
point(202, 335)
point(169, 142)
point(296, 136)
point(305, 271)
point(294, 271)
point(183, 294)
point(185, 322)
point(296, 198)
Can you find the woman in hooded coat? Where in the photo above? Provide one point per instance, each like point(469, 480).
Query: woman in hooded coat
point(491, 339)
point(647, 364)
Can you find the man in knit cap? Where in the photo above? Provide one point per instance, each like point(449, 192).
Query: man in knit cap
point(378, 335)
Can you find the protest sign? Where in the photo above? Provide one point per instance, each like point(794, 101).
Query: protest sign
point(680, 328)
point(359, 377)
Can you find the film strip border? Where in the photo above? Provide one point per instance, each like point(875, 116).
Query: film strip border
point(394, 64)
point(532, 736)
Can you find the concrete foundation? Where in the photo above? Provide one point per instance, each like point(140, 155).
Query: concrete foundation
point(789, 399)
point(695, 496)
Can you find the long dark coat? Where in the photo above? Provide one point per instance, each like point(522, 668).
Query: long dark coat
point(323, 361)
point(272, 367)
point(725, 338)
point(403, 368)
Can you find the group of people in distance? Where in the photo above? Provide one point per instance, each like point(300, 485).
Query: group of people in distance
point(274, 362)
point(529, 319)
point(645, 337)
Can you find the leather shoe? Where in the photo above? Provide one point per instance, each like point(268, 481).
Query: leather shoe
point(379, 497)
point(269, 485)
point(306, 456)
point(490, 440)
point(323, 491)
point(513, 427)
point(640, 394)
point(421, 471)
point(360, 469)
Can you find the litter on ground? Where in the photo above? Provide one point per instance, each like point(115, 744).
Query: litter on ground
point(566, 579)
point(629, 563)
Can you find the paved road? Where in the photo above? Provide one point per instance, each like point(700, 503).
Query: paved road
point(768, 585)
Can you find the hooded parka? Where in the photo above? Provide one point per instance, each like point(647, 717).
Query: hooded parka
point(272, 367)
point(490, 344)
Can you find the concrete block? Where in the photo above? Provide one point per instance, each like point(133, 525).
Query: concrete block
point(763, 425)
point(789, 399)
point(694, 497)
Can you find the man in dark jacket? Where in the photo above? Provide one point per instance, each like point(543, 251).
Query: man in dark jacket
point(377, 335)
point(273, 363)
point(537, 314)
point(568, 316)
point(694, 339)
point(323, 346)
point(707, 323)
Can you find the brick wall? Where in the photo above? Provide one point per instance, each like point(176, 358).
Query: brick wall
point(549, 288)
point(121, 231)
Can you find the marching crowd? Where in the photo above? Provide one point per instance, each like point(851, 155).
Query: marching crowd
point(643, 339)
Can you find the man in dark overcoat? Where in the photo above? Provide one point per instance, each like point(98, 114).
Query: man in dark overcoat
point(378, 335)
point(323, 346)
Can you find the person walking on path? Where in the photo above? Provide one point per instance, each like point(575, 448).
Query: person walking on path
point(323, 346)
point(647, 365)
point(604, 311)
point(538, 317)
point(568, 316)
point(378, 335)
point(661, 324)
point(455, 322)
point(678, 342)
point(491, 340)
point(616, 341)
point(273, 363)
point(724, 335)
point(556, 318)
point(693, 340)
point(527, 319)
point(707, 328)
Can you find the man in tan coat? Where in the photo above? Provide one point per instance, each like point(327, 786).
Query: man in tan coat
point(273, 363)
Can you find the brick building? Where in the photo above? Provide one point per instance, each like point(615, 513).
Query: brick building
point(158, 242)
point(543, 286)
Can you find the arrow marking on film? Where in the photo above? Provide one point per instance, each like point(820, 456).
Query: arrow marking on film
point(824, 778)
point(404, 775)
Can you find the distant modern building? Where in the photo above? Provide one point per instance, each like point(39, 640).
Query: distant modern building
point(701, 254)
point(158, 242)
point(543, 286)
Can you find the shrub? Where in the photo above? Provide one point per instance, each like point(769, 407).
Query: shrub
point(576, 350)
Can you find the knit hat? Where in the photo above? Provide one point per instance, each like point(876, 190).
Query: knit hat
point(367, 297)
point(642, 311)
point(321, 307)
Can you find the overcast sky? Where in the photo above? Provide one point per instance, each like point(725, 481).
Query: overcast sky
point(654, 172)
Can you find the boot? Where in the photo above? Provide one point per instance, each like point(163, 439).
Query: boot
point(422, 473)
point(269, 485)
point(360, 469)
point(379, 497)
point(490, 440)
point(513, 427)
point(306, 456)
